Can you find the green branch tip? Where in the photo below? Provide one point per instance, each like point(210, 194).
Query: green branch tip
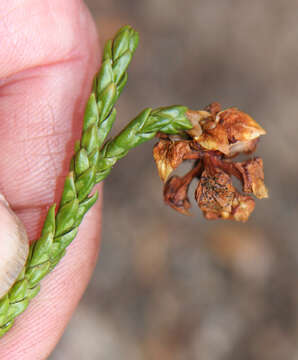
point(92, 161)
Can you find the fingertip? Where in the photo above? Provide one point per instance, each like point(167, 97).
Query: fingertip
point(35, 33)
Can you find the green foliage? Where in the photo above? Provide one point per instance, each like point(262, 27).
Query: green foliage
point(90, 164)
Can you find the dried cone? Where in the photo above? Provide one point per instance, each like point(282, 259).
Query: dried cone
point(175, 194)
point(216, 137)
point(242, 130)
point(230, 131)
point(239, 125)
point(215, 194)
point(218, 199)
point(253, 177)
point(168, 155)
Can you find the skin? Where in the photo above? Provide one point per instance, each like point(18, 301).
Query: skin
point(49, 54)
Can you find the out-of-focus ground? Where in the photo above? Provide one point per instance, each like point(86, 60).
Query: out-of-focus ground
point(173, 287)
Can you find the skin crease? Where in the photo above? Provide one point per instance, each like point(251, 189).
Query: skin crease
point(49, 54)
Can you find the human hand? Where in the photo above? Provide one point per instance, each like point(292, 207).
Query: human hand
point(49, 55)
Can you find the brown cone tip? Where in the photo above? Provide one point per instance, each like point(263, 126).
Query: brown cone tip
point(217, 136)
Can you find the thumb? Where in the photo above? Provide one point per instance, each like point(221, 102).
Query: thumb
point(49, 54)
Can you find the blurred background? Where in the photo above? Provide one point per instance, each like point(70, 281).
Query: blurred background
point(173, 287)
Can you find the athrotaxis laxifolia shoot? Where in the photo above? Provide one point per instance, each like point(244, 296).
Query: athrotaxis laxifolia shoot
point(210, 138)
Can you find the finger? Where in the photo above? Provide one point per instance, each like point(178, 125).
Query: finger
point(40, 327)
point(41, 106)
point(42, 99)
